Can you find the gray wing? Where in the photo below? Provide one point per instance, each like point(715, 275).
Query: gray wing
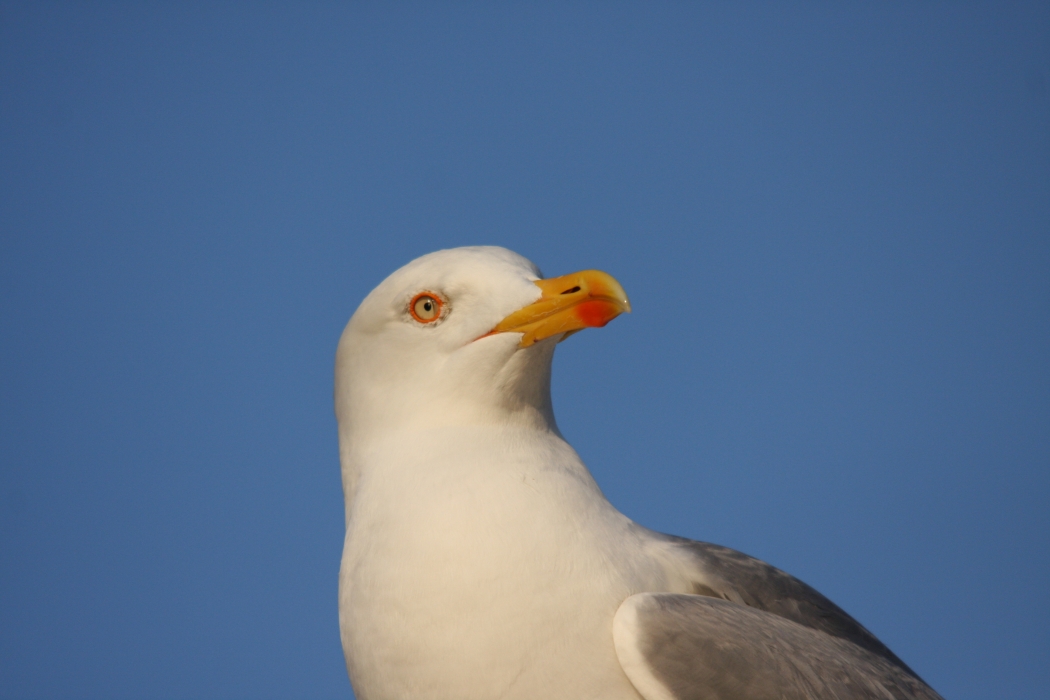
point(688, 647)
point(720, 572)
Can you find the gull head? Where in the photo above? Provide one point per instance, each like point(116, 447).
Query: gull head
point(462, 337)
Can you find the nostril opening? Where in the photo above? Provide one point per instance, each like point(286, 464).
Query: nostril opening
point(571, 291)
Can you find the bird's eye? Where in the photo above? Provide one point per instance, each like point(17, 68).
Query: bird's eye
point(425, 307)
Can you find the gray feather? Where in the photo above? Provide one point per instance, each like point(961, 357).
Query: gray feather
point(731, 575)
point(702, 648)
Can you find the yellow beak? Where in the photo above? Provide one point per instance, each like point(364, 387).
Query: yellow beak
point(586, 299)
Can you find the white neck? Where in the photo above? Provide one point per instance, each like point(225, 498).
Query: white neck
point(491, 386)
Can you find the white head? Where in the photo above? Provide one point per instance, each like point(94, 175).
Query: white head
point(461, 337)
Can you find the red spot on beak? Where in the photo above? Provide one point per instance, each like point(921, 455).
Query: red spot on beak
point(596, 313)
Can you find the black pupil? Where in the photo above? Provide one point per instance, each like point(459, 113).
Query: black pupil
point(427, 305)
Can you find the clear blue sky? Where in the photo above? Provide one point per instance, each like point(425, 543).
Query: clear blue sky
point(833, 223)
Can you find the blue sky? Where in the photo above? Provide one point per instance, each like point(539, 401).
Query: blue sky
point(833, 223)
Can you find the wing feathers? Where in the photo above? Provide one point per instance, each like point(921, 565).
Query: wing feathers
point(689, 647)
point(736, 577)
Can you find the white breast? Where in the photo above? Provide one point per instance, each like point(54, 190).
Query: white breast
point(485, 564)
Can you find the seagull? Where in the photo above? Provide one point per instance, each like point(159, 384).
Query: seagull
point(481, 559)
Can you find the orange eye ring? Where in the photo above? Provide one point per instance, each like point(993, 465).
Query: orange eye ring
point(426, 307)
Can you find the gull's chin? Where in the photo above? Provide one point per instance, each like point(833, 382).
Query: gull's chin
point(550, 340)
point(495, 337)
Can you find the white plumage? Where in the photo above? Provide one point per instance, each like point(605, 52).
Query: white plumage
point(481, 560)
